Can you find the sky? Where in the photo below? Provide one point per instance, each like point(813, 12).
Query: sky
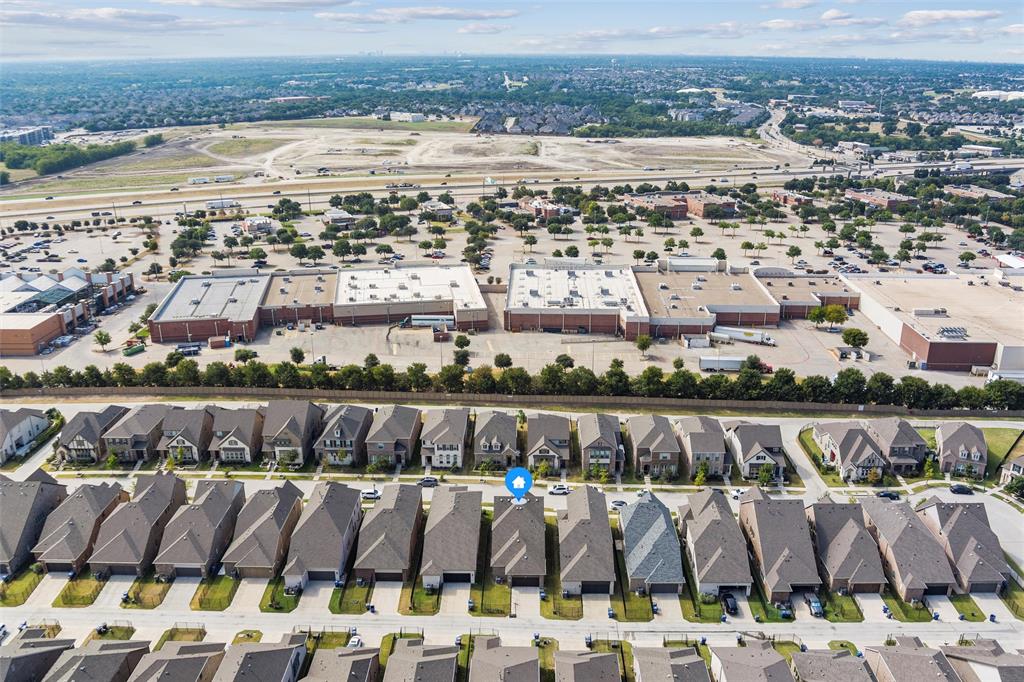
point(973, 30)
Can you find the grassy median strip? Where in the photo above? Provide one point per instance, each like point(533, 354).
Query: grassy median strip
point(80, 591)
point(556, 607)
point(214, 594)
point(275, 600)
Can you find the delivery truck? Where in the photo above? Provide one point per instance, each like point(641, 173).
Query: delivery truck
point(728, 363)
point(743, 334)
point(221, 203)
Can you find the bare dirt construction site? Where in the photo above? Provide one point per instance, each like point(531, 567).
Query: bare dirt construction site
point(256, 153)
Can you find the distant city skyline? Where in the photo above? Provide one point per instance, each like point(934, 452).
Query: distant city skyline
point(109, 29)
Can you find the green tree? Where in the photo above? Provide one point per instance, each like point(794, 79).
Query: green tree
point(643, 344)
point(966, 257)
point(766, 474)
point(298, 251)
point(793, 252)
point(502, 361)
point(701, 477)
point(835, 314)
point(102, 338)
point(857, 338)
point(315, 253)
point(461, 341)
point(297, 355)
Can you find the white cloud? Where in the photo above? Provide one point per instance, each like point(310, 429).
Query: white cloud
point(403, 15)
point(836, 17)
point(483, 29)
point(1013, 29)
point(111, 19)
point(258, 5)
point(790, 25)
point(793, 4)
point(927, 17)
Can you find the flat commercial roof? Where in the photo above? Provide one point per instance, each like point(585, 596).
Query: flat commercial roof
point(409, 284)
point(672, 294)
point(985, 310)
point(12, 299)
point(608, 288)
point(231, 297)
point(803, 288)
point(302, 288)
point(23, 321)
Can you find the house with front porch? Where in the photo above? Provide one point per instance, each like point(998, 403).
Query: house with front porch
point(850, 450)
point(288, 430)
point(237, 435)
point(547, 437)
point(393, 435)
point(186, 435)
point(343, 440)
point(18, 430)
point(80, 441)
point(136, 435)
point(962, 449)
point(656, 450)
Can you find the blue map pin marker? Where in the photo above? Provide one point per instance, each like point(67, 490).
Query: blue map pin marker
point(518, 481)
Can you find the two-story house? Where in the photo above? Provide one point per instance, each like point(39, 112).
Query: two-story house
point(961, 448)
point(900, 443)
point(288, 430)
point(547, 438)
point(237, 435)
point(849, 448)
point(343, 440)
point(495, 439)
point(134, 437)
point(443, 438)
point(703, 440)
point(186, 435)
point(755, 446)
point(601, 442)
point(392, 436)
point(80, 441)
point(656, 451)
point(18, 430)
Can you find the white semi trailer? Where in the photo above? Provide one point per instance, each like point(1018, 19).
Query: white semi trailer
point(744, 334)
point(715, 363)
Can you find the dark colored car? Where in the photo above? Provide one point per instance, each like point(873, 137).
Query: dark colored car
point(888, 494)
point(814, 605)
point(729, 603)
point(428, 482)
point(961, 489)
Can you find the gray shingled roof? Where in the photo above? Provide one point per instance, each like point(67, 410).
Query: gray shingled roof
point(586, 666)
point(755, 662)
point(141, 420)
point(493, 662)
point(261, 661)
point(918, 557)
point(446, 426)
point(987, 654)
point(393, 422)
point(243, 424)
point(11, 418)
point(910, 660)
point(495, 427)
point(179, 661)
point(259, 526)
point(585, 538)
point(970, 542)
point(21, 505)
point(719, 550)
point(854, 442)
point(753, 438)
point(295, 416)
point(98, 661)
point(190, 536)
point(845, 547)
point(350, 665)
point(650, 542)
point(29, 654)
point(950, 437)
point(600, 429)
point(676, 665)
point(90, 425)
point(704, 434)
point(187, 423)
point(70, 527)
point(317, 541)
point(384, 538)
point(829, 665)
point(652, 432)
point(787, 555)
point(348, 420)
point(413, 661)
point(451, 536)
point(517, 536)
point(125, 535)
point(896, 432)
point(543, 427)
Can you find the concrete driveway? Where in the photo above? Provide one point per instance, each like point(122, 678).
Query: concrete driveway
point(743, 606)
point(47, 590)
point(871, 604)
point(526, 601)
point(455, 598)
point(386, 596)
point(179, 596)
point(668, 608)
point(940, 604)
point(989, 603)
point(247, 596)
point(595, 607)
point(316, 598)
point(113, 589)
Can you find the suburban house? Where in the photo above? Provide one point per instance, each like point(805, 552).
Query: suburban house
point(443, 438)
point(30, 654)
point(266, 661)
point(781, 543)
point(972, 547)
point(850, 449)
point(18, 430)
point(451, 536)
point(601, 442)
point(441, 210)
point(130, 537)
point(186, 435)
point(547, 440)
point(351, 665)
point(656, 451)
point(909, 659)
point(754, 446)
point(714, 544)
point(586, 666)
point(80, 439)
point(1012, 468)
point(703, 440)
point(98, 660)
point(288, 430)
point(392, 436)
point(985, 659)
point(343, 440)
point(411, 659)
point(237, 435)
point(263, 532)
point(492, 662)
point(199, 533)
point(69, 533)
point(180, 661)
point(650, 546)
point(24, 506)
point(847, 553)
point(517, 540)
point(830, 665)
point(134, 436)
point(585, 543)
point(324, 536)
point(758, 660)
point(494, 439)
point(901, 445)
point(678, 664)
point(387, 539)
point(913, 559)
point(961, 449)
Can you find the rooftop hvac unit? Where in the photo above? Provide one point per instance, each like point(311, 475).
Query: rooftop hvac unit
point(529, 273)
point(674, 297)
point(735, 286)
point(373, 285)
point(282, 290)
point(812, 283)
point(287, 279)
point(605, 291)
point(373, 297)
point(318, 288)
point(206, 284)
point(623, 301)
point(414, 276)
point(696, 286)
point(608, 273)
point(674, 307)
point(232, 300)
point(572, 274)
point(438, 297)
point(254, 280)
point(351, 299)
point(768, 283)
point(295, 301)
point(194, 301)
point(402, 286)
point(319, 278)
point(788, 284)
point(453, 284)
point(701, 278)
point(417, 294)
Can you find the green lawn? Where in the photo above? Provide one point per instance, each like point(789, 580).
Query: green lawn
point(465, 654)
point(241, 147)
point(628, 606)
point(694, 610)
point(247, 636)
point(761, 608)
point(904, 612)
point(999, 441)
point(556, 606)
point(180, 635)
point(1013, 596)
point(838, 644)
point(82, 590)
point(146, 592)
point(214, 594)
point(275, 600)
point(786, 648)
point(351, 599)
point(624, 652)
point(968, 608)
point(387, 645)
point(417, 601)
point(327, 639)
point(17, 590)
point(491, 598)
point(840, 608)
point(546, 653)
point(114, 632)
